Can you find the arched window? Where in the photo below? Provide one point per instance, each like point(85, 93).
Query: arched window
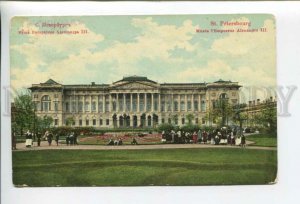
point(223, 96)
point(46, 103)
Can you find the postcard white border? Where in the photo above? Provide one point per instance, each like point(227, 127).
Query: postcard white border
point(288, 72)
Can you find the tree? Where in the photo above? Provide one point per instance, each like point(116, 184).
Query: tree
point(174, 119)
point(221, 112)
point(189, 118)
point(268, 118)
point(24, 114)
point(70, 121)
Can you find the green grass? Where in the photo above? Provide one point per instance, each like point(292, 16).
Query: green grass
point(144, 167)
point(263, 140)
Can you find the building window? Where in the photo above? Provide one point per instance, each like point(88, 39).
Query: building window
point(203, 121)
point(182, 106)
point(46, 104)
point(73, 106)
point(55, 122)
point(80, 122)
point(169, 105)
point(36, 106)
point(107, 121)
point(101, 122)
point(162, 120)
point(100, 106)
point(67, 106)
point(80, 106)
point(175, 105)
point(196, 120)
point(162, 106)
point(114, 105)
point(87, 122)
point(55, 106)
point(176, 121)
point(169, 120)
point(87, 106)
point(74, 123)
point(93, 106)
point(189, 105)
point(134, 104)
point(182, 121)
point(94, 122)
point(107, 106)
point(196, 105)
point(203, 106)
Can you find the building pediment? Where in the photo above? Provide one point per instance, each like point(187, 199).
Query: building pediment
point(135, 85)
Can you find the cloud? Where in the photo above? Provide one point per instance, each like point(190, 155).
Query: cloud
point(48, 50)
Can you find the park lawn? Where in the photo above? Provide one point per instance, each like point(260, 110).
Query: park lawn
point(222, 166)
point(263, 140)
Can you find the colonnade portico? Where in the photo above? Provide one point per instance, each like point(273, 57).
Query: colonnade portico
point(142, 101)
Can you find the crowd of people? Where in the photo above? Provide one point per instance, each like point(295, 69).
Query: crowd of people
point(71, 139)
point(216, 136)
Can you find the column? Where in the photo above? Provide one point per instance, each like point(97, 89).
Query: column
point(159, 108)
point(117, 103)
point(192, 103)
point(131, 103)
point(103, 104)
point(145, 102)
point(97, 104)
point(110, 103)
point(172, 101)
point(138, 102)
point(199, 102)
point(70, 104)
point(124, 102)
point(152, 102)
point(185, 102)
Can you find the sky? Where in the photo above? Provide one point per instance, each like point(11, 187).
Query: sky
point(163, 48)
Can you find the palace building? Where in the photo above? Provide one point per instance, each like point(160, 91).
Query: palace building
point(133, 101)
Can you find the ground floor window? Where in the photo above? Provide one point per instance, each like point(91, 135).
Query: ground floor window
point(107, 121)
point(182, 121)
point(101, 122)
point(87, 122)
point(94, 122)
point(80, 122)
point(55, 122)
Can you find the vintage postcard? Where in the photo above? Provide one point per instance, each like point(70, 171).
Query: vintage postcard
point(158, 100)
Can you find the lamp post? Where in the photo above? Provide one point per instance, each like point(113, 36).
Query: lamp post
point(239, 118)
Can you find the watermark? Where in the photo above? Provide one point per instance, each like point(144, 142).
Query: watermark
point(282, 95)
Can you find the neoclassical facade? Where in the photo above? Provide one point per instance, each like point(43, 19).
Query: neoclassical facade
point(133, 101)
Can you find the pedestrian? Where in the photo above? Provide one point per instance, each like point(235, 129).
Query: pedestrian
point(179, 137)
point(173, 135)
point(75, 138)
point(243, 141)
point(50, 138)
point(195, 138)
point(134, 142)
point(200, 135)
point(13, 141)
point(39, 136)
point(56, 139)
point(28, 137)
point(204, 137)
point(232, 139)
point(71, 138)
